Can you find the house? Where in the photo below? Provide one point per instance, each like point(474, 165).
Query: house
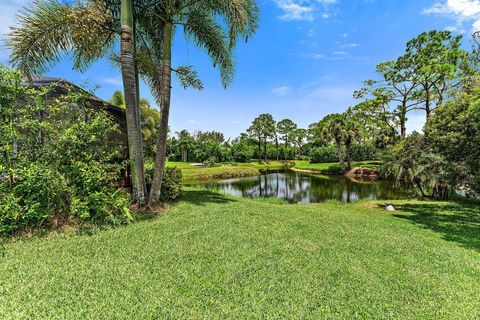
point(62, 87)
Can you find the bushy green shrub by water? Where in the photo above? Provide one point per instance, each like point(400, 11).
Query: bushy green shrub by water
point(358, 152)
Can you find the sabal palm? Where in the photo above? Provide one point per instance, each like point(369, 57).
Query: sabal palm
point(332, 129)
point(198, 18)
point(89, 31)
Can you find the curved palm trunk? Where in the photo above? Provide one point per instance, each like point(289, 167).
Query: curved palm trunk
point(164, 114)
point(129, 76)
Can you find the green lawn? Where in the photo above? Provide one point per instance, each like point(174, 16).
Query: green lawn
point(335, 167)
point(227, 170)
point(218, 257)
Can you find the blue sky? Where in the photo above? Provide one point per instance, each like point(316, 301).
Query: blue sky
point(305, 61)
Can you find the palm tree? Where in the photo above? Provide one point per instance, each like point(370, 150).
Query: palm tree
point(332, 129)
point(351, 133)
point(89, 30)
point(286, 127)
point(149, 120)
point(198, 18)
point(132, 105)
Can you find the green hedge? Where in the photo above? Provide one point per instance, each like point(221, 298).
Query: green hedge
point(358, 152)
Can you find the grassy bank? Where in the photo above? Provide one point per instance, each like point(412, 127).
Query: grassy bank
point(335, 167)
point(217, 257)
point(224, 171)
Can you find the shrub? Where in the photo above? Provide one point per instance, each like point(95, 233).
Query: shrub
point(210, 162)
point(324, 154)
point(363, 152)
point(241, 152)
point(36, 194)
point(172, 184)
point(358, 152)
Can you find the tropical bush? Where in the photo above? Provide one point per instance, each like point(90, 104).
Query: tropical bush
point(324, 154)
point(358, 152)
point(59, 159)
point(171, 184)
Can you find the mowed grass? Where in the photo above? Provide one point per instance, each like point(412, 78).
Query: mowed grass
point(227, 170)
point(335, 167)
point(217, 257)
point(192, 173)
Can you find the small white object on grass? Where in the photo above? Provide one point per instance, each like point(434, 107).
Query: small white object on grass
point(389, 207)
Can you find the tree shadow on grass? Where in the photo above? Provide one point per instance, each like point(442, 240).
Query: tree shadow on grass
point(204, 197)
point(457, 222)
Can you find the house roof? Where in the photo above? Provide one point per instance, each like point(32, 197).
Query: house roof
point(61, 88)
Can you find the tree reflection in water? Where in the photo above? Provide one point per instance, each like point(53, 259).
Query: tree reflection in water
point(299, 187)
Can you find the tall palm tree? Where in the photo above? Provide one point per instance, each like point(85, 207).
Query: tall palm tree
point(132, 105)
point(89, 30)
point(351, 133)
point(198, 18)
point(333, 129)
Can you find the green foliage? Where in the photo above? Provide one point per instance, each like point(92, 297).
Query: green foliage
point(359, 152)
point(364, 152)
point(454, 133)
point(171, 184)
point(210, 162)
point(324, 154)
point(242, 152)
point(65, 160)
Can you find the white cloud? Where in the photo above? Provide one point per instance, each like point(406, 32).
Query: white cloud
point(304, 9)
point(113, 81)
point(295, 11)
point(461, 10)
point(282, 90)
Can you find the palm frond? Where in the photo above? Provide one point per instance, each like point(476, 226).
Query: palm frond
point(208, 33)
point(49, 29)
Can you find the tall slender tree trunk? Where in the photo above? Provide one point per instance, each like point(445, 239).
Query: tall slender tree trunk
point(259, 155)
point(349, 160)
point(265, 149)
point(286, 145)
point(403, 120)
point(427, 102)
point(164, 114)
point(276, 146)
point(339, 152)
point(134, 134)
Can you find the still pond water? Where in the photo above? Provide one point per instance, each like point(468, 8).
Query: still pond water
point(299, 187)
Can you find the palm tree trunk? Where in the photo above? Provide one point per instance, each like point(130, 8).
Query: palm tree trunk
point(164, 114)
point(349, 160)
point(339, 151)
point(134, 135)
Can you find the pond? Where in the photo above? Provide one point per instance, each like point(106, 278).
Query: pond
point(299, 187)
